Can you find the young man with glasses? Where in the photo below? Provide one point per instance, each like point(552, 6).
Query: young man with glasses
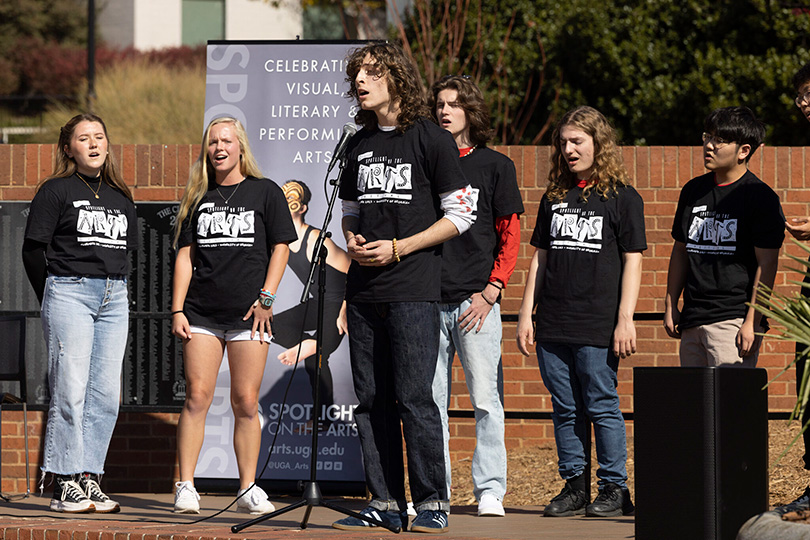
point(799, 228)
point(728, 229)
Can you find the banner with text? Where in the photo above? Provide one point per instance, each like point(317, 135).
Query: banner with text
point(291, 98)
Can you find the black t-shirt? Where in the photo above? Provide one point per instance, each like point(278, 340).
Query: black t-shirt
point(579, 298)
point(85, 236)
point(233, 247)
point(467, 260)
point(397, 179)
point(721, 226)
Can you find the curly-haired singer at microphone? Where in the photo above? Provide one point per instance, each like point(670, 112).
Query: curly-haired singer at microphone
point(403, 194)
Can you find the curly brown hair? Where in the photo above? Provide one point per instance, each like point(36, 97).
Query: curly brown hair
point(402, 76)
point(471, 100)
point(608, 169)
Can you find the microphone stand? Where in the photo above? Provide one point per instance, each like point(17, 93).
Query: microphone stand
point(312, 492)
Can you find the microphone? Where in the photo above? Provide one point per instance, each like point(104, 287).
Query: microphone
point(348, 130)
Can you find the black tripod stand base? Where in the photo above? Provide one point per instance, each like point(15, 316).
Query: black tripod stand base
point(312, 497)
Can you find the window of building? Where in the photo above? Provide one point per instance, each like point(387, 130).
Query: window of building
point(203, 20)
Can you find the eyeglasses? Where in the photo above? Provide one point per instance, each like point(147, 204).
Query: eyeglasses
point(717, 141)
point(802, 99)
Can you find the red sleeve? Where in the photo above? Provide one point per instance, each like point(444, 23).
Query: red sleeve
point(508, 228)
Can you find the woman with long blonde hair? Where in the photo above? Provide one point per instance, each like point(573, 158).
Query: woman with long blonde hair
point(80, 230)
point(231, 234)
point(583, 281)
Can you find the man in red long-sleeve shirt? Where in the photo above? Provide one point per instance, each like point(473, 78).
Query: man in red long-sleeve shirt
point(476, 267)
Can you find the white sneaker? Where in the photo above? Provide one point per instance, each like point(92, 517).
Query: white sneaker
point(186, 499)
point(254, 501)
point(104, 505)
point(489, 506)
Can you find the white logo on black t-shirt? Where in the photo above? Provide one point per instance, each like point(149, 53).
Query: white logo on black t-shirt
point(574, 231)
point(224, 227)
point(384, 179)
point(101, 226)
point(708, 234)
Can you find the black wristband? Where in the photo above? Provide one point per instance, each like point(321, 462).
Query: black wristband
point(176, 312)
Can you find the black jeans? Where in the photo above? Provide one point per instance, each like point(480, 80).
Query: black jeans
point(393, 348)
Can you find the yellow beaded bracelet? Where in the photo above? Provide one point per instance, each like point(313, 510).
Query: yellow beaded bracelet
point(396, 253)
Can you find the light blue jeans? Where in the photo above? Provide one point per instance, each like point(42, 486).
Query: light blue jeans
point(86, 324)
point(480, 356)
point(582, 383)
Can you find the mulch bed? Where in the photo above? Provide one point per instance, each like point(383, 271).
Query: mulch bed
point(533, 479)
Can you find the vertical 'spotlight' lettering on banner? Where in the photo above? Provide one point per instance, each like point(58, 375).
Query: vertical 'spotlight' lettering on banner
point(291, 98)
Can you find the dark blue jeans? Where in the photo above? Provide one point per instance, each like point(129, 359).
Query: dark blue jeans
point(393, 348)
point(582, 383)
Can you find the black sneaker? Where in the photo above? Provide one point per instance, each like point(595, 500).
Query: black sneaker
point(389, 519)
point(571, 501)
point(69, 497)
point(613, 500)
point(104, 505)
point(802, 503)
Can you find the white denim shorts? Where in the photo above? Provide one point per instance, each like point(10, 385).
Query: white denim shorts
point(234, 334)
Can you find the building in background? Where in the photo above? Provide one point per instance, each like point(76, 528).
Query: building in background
point(156, 24)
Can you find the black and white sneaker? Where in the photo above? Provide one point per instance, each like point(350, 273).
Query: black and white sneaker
point(802, 503)
point(69, 497)
point(389, 519)
point(104, 505)
point(431, 522)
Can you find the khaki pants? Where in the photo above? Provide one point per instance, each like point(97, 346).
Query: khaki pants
point(714, 344)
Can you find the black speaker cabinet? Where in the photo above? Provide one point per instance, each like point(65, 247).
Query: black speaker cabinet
point(701, 451)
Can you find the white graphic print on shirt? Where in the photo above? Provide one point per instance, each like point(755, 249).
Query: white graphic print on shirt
point(100, 226)
point(383, 179)
point(575, 228)
point(223, 227)
point(712, 233)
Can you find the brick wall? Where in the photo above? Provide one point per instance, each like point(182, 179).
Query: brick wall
point(141, 456)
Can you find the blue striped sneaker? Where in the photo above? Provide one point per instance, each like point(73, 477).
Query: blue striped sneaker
point(392, 519)
point(431, 521)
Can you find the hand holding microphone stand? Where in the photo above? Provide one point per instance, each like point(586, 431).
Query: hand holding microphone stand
point(312, 493)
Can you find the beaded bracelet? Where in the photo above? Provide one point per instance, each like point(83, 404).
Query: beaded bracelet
point(396, 253)
point(266, 298)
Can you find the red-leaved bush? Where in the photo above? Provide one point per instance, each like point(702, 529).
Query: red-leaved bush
point(54, 71)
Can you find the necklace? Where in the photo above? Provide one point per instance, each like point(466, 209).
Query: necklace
point(95, 191)
point(469, 151)
point(232, 194)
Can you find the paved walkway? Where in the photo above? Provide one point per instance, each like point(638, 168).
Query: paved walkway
point(148, 517)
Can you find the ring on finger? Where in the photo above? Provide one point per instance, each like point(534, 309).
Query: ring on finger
point(373, 259)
